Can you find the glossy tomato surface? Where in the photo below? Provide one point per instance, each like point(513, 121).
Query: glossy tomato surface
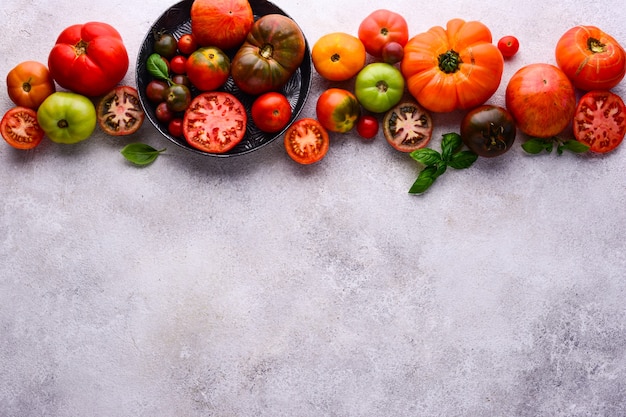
point(187, 44)
point(215, 122)
point(29, 83)
point(20, 129)
point(306, 141)
point(67, 117)
point(89, 59)
point(508, 45)
point(591, 58)
point(367, 126)
point(120, 112)
point(338, 56)
point(208, 68)
point(381, 27)
point(600, 121)
point(541, 99)
point(337, 110)
point(488, 130)
point(221, 23)
point(271, 112)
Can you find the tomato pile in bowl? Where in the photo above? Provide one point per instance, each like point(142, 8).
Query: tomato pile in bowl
point(177, 21)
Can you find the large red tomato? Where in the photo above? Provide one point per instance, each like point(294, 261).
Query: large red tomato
point(591, 59)
point(380, 28)
point(221, 23)
point(272, 52)
point(89, 59)
point(541, 99)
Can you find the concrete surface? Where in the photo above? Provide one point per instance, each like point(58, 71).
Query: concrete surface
point(251, 286)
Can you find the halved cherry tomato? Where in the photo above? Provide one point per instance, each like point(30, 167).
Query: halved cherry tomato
point(508, 45)
point(215, 122)
point(600, 121)
point(306, 141)
point(187, 44)
point(20, 128)
point(338, 56)
point(271, 112)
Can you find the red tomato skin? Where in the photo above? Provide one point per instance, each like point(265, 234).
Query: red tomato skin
point(271, 112)
point(380, 27)
point(208, 68)
point(16, 122)
point(600, 121)
point(541, 99)
point(338, 110)
point(89, 59)
point(367, 127)
point(187, 44)
point(508, 45)
point(178, 64)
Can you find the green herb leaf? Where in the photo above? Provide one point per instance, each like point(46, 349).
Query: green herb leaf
point(536, 145)
point(462, 159)
point(157, 67)
point(573, 146)
point(140, 153)
point(426, 156)
point(424, 180)
point(450, 143)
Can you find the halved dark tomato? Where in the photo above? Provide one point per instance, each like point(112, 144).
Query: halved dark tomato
point(600, 121)
point(306, 141)
point(408, 126)
point(215, 122)
point(20, 128)
point(120, 112)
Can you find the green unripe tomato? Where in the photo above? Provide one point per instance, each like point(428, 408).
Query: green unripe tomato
point(67, 117)
point(379, 87)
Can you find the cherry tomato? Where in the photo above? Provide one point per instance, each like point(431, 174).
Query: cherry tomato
point(488, 130)
point(178, 97)
point(120, 112)
point(600, 121)
point(155, 91)
point(306, 141)
point(508, 45)
point(187, 44)
point(338, 110)
point(163, 113)
point(367, 126)
point(271, 112)
point(165, 44)
point(20, 128)
point(175, 127)
point(215, 122)
point(178, 64)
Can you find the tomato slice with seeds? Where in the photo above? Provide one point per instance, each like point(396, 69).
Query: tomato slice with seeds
point(408, 126)
point(306, 141)
point(215, 122)
point(600, 121)
point(20, 128)
point(120, 112)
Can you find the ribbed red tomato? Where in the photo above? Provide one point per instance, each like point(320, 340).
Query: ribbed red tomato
point(221, 23)
point(380, 28)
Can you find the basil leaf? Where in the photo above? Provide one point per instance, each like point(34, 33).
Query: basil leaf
point(140, 153)
point(157, 67)
point(574, 146)
point(424, 180)
point(449, 144)
point(426, 156)
point(462, 160)
point(536, 145)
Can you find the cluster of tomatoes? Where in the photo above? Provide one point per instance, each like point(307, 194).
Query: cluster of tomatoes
point(88, 61)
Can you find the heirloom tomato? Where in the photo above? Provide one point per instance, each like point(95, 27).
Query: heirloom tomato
point(381, 27)
point(488, 130)
point(177, 97)
point(215, 122)
point(271, 112)
point(541, 99)
point(454, 68)
point(337, 110)
point(338, 56)
point(306, 141)
point(19, 127)
point(208, 68)
point(408, 127)
point(120, 112)
point(591, 59)
point(29, 83)
point(67, 117)
point(379, 86)
point(89, 59)
point(600, 121)
point(272, 52)
point(221, 23)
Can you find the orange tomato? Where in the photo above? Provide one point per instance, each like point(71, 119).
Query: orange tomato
point(338, 56)
point(591, 59)
point(453, 68)
point(29, 84)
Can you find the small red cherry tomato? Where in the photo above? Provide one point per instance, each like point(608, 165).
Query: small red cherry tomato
point(175, 127)
point(367, 126)
point(187, 44)
point(178, 64)
point(508, 45)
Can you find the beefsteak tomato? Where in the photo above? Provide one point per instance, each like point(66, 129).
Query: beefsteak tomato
point(591, 59)
point(337, 110)
point(541, 99)
point(338, 56)
point(488, 130)
point(272, 52)
point(29, 83)
point(381, 27)
point(120, 112)
point(600, 121)
point(454, 68)
point(221, 23)
point(89, 59)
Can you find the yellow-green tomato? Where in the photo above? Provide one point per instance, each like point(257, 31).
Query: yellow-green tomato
point(337, 110)
point(67, 117)
point(379, 87)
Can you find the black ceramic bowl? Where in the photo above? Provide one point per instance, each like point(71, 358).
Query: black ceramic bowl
point(177, 21)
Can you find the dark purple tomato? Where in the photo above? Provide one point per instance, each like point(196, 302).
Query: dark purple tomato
point(488, 130)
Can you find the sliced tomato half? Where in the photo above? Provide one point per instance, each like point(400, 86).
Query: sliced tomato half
point(600, 121)
point(20, 128)
point(306, 141)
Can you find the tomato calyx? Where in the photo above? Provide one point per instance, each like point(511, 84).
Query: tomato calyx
point(596, 46)
point(495, 138)
point(81, 48)
point(266, 51)
point(449, 61)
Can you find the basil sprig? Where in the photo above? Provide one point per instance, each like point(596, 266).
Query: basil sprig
point(435, 163)
point(538, 145)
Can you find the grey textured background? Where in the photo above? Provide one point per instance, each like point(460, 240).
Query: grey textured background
point(251, 286)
